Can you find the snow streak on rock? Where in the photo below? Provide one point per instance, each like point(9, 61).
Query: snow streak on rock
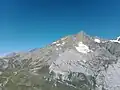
point(82, 48)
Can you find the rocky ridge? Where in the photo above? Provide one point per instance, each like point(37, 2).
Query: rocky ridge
point(79, 61)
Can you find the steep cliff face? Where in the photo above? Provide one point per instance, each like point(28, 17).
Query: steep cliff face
point(75, 62)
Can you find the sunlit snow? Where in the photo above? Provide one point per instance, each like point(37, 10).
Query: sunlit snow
point(54, 43)
point(82, 48)
point(97, 40)
point(58, 44)
point(117, 40)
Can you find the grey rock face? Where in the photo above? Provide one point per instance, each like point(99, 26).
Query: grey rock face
point(78, 61)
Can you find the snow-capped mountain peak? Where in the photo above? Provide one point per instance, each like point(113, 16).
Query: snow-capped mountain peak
point(78, 62)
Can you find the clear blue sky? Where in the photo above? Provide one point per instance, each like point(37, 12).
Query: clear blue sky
point(28, 24)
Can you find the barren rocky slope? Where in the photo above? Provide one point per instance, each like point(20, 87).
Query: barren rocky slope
point(75, 62)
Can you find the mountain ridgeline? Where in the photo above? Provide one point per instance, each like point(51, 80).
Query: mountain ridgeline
point(74, 62)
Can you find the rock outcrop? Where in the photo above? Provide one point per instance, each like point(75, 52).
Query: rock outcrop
point(78, 61)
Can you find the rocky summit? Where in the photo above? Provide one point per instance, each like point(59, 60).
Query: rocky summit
point(74, 62)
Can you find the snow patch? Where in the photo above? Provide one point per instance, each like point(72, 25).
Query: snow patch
point(97, 40)
point(63, 38)
point(57, 41)
point(63, 43)
point(82, 48)
point(58, 44)
point(54, 43)
point(117, 40)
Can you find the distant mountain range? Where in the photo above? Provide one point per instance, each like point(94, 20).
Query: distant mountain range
point(74, 62)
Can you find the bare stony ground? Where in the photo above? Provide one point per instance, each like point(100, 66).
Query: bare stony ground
point(75, 62)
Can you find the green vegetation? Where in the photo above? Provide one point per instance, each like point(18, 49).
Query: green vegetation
point(21, 76)
point(25, 80)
